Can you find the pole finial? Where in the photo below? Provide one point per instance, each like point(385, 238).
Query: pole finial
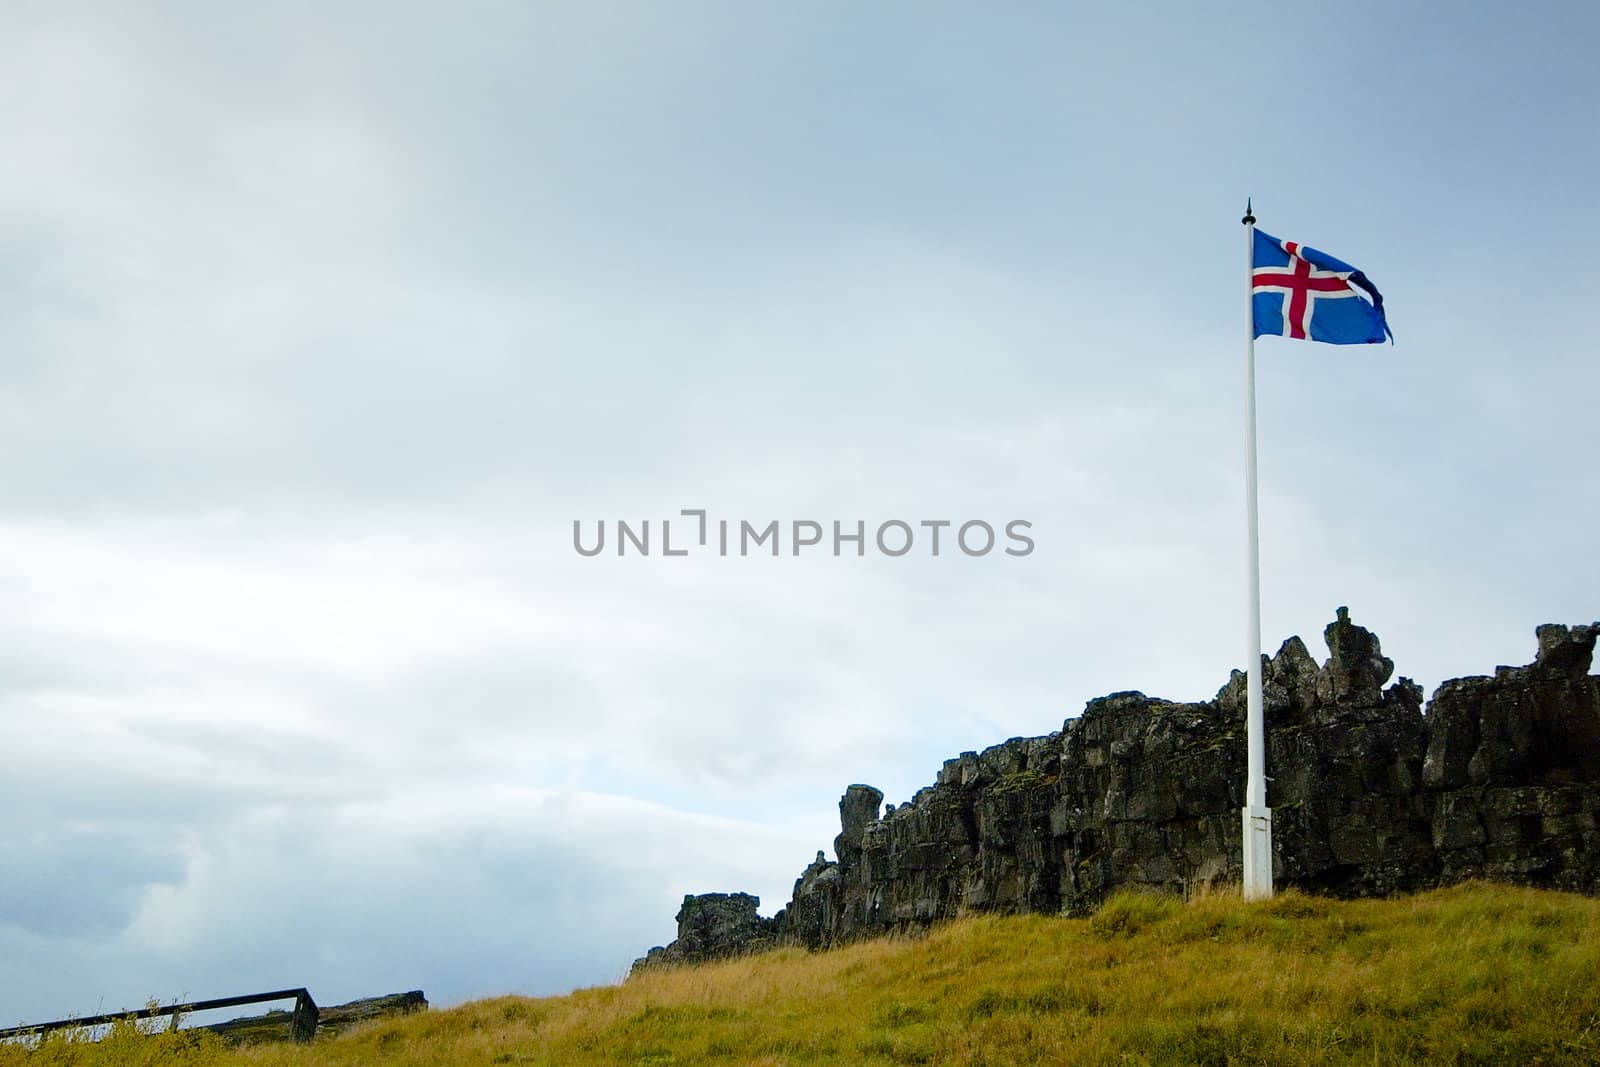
point(1249, 216)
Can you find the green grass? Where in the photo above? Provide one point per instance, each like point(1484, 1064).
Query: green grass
point(1476, 974)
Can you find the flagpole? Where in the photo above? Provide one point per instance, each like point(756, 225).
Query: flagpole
point(1256, 816)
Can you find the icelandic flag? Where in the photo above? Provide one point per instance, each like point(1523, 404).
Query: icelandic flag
point(1306, 294)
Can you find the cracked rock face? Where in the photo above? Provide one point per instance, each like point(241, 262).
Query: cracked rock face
point(713, 926)
point(1371, 794)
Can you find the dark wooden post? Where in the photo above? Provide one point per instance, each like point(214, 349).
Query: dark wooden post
point(303, 1023)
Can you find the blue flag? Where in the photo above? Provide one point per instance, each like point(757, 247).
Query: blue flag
point(1306, 294)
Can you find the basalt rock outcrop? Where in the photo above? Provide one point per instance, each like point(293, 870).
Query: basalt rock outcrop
point(714, 925)
point(1372, 794)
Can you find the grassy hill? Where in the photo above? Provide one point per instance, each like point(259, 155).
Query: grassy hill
point(1471, 974)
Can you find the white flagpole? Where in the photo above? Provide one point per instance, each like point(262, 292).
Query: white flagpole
point(1257, 817)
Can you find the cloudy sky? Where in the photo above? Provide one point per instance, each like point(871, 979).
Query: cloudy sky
point(319, 328)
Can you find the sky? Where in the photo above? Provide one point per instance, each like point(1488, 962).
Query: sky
point(321, 326)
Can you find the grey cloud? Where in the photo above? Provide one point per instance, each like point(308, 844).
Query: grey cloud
point(60, 880)
point(499, 892)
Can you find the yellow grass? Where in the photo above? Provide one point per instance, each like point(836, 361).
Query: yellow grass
point(1472, 974)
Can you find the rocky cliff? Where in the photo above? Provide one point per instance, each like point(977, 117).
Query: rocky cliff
point(1498, 777)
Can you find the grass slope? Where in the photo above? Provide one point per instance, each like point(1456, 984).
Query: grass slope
point(1471, 974)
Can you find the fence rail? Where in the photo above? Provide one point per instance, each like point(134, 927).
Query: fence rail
point(302, 1023)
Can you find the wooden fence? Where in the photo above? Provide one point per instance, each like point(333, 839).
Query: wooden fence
point(302, 1023)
